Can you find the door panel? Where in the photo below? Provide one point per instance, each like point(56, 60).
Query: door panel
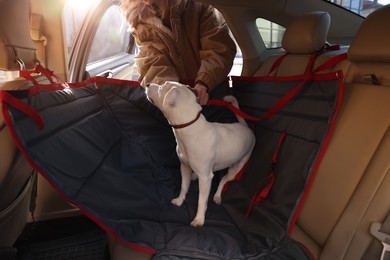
point(103, 46)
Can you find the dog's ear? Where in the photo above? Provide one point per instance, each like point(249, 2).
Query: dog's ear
point(170, 97)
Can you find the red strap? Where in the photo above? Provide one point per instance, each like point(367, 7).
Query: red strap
point(7, 98)
point(284, 100)
point(40, 70)
point(310, 64)
point(27, 75)
point(253, 200)
point(275, 108)
point(264, 193)
point(232, 108)
point(45, 72)
point(327, 47)
point(259, 196)
point(276, 153)
point(53, 85)
point(281, 102)
point(331, 62)
point(238, 176)
point(49, 74)
point(277, 63)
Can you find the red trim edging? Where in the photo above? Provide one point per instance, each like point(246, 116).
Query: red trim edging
point(8, 122)
point(321, 153)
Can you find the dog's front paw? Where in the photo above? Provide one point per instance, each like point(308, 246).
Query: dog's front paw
point(197, 222)
point(178, 201)
point(217, 199)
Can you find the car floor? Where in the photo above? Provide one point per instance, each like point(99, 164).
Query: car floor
point(76, 238)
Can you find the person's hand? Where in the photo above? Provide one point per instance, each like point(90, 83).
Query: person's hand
point(203, 96)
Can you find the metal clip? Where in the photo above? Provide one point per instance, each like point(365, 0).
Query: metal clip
point(375, 230)
point(22, 66)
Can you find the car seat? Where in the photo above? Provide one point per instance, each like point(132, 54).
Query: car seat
point(16, 175)
point(315, 25)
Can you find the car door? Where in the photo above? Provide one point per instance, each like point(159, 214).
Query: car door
point(103, 45)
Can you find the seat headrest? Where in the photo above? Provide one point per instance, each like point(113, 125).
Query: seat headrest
point(16, 45)
point(372, 41)
point(307, 33)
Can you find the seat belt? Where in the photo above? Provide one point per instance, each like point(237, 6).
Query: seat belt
point(379, 247)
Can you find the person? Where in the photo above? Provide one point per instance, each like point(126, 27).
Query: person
point(180, 40)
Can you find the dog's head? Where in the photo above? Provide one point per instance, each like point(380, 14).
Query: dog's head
point(173, 99)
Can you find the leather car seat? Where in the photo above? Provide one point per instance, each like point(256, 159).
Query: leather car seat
point(16, 175)
point(313, 28)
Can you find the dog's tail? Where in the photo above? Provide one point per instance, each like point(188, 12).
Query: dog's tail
point(232, 100)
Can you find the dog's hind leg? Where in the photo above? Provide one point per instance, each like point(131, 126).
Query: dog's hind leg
point(204, 192)
point(229, 176)
point(186, 173)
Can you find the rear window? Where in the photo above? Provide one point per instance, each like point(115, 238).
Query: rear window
point(360, 7)
point(272, 33)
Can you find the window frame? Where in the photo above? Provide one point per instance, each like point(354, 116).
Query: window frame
point(78, 67)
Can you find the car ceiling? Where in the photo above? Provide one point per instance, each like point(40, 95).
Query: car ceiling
point(238, 13)
point(344, 24)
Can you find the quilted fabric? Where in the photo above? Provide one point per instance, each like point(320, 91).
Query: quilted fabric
point(112, 153)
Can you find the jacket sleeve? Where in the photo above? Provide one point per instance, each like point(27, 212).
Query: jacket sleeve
point(217, 49)
point(153, 64)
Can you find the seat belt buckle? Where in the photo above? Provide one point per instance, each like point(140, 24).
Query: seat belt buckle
point(375, 230)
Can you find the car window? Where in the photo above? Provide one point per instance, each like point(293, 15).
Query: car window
point(237, 62)
point(99, 42)
point(360, 7)
point(272, 33)
point(112, 37)
point(74, 15)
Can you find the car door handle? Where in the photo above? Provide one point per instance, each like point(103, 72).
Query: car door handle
point(106, 74)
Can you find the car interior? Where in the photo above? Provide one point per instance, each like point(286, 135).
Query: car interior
point(349, 196)
point(16, 176)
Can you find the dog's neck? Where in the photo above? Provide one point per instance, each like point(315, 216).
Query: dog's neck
point(179, 126)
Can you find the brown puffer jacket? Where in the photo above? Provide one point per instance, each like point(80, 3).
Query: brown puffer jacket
point(197, 47)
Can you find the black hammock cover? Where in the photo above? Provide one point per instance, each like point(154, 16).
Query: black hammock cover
point(110, 152)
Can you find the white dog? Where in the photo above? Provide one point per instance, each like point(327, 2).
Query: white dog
point(203, 147)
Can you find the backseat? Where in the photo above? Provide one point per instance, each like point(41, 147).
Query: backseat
point(16, 175)
point(352, 186)
point(313, 29)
